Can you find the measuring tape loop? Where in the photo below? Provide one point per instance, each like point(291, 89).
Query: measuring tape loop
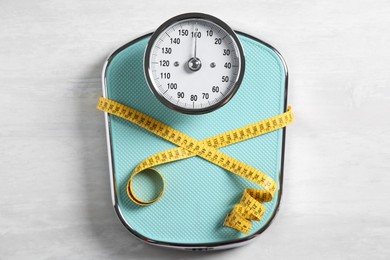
point(138, 201)
point(250, 206)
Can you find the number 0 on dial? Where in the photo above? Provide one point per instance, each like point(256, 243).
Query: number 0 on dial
point(194, 63)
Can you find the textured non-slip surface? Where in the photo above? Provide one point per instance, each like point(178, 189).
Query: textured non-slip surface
point(198, 194)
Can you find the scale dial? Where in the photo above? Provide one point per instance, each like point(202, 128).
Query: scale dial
point(194, 63)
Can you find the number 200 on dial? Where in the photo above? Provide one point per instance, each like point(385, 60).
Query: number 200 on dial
point(194, 63)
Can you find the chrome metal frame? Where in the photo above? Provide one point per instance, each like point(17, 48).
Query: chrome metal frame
point(148, 72)
point(114, 192)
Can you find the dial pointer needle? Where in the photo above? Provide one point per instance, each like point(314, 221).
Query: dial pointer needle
point(196, 36)
point(194, 63)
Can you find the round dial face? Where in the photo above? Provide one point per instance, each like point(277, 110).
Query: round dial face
point(194, 63)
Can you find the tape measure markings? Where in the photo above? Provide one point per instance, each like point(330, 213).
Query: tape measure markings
point(249, 206)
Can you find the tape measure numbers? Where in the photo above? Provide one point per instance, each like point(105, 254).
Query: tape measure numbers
point(250, 206)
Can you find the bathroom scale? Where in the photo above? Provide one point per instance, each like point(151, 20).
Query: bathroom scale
point(195, 117)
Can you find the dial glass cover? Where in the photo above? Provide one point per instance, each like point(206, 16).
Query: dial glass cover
point(194, 65)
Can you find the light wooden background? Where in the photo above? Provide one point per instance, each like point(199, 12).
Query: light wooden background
point(54, 188)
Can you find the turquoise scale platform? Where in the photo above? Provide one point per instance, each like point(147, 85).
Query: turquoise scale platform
point(198, 194)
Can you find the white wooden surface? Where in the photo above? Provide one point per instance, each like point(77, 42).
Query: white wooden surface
point(54, 189)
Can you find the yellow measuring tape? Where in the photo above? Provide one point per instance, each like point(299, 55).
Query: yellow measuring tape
point(250, 206)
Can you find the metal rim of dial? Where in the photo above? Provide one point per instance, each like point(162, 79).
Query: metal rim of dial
point(147, 66)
